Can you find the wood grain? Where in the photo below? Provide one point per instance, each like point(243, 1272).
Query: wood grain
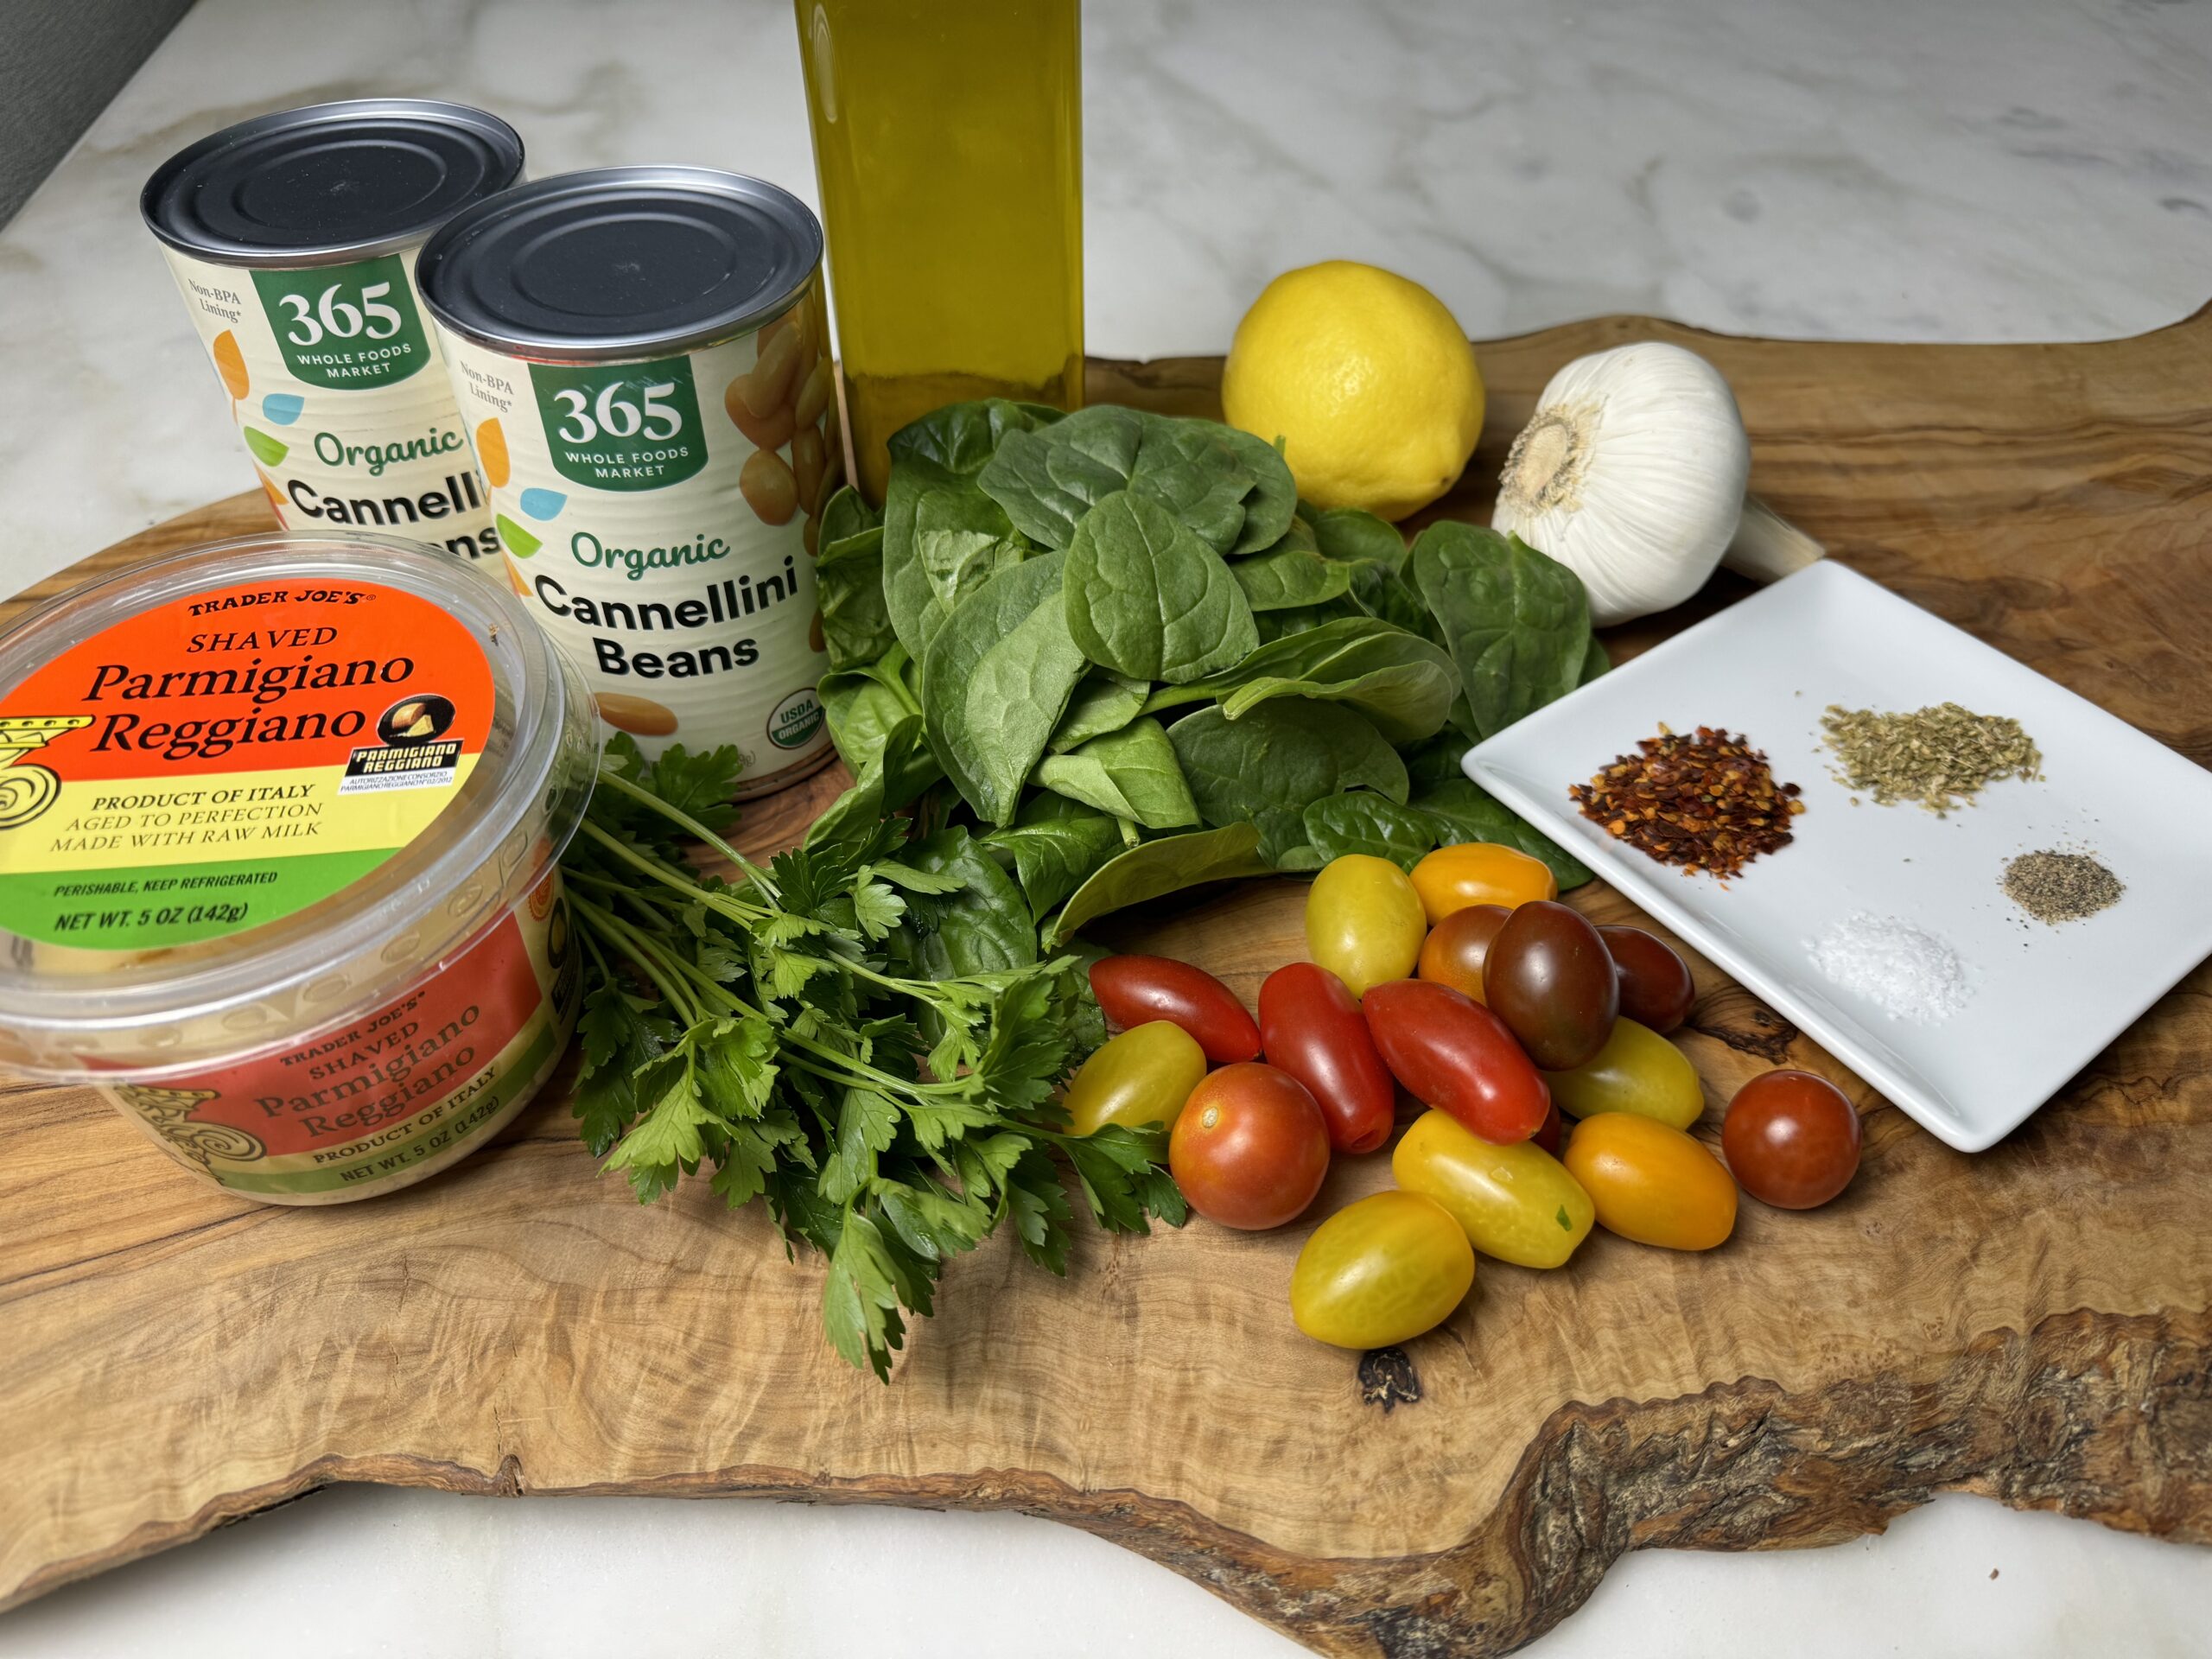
point(2034, 1324)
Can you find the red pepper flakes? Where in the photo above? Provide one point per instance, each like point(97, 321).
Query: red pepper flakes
point(1706, 801)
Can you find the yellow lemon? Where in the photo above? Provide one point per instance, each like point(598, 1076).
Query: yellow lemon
point(1368, 380)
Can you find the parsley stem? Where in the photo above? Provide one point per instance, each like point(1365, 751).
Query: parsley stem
point(736, 910)
point(610, 779)
point(641, 950)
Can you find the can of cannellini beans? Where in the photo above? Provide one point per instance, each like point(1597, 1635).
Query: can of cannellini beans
point(281, 821)
point(641, 353)
point(293, 237)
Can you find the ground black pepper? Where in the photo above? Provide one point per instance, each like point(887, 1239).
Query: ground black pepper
point(2054, 887)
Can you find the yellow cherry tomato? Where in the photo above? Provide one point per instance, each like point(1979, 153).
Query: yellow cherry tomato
point(1637, 1071)
point(1651, 1183)
point(1364, 921)
point(1142, 1077)
point(1515, 1202)
point(1480, 872)
point(1380, 1271)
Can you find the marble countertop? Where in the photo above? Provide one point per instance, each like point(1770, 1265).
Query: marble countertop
point(1990, 169)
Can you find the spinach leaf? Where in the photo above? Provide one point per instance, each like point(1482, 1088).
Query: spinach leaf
point(1436, 761)
point(962, 437)
point(1055, 851)
point(1462, 810)
point(901, 769)
point(1131, 773)
point(1352, 533)
point(1281, 625)
point(1517, 623)
point(845, 515)
point(1149, 599)
point(1282, 839)
point(1045, 484)
point(983, 927)
point(1157, 867)
point(997, 676)
point(943, 537)
point(848, 589)
point(1271, 505)
point(1103, 702)
point(1047, 480)
point(1399, 681)
point(1284, 578)
point(1362, 823)
point(1594, 662)
point(861, 710)
point(1281, 754)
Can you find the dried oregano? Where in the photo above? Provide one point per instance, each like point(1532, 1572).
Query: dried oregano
point(1940, 756)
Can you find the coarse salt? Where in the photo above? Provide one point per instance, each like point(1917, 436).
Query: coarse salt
point(1906, 971)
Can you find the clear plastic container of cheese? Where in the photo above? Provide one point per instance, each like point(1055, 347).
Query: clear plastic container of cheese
point(280, 826)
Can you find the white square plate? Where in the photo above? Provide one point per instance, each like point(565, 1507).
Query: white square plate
point(2044, 999)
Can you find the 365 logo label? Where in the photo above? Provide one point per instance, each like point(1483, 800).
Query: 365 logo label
point(621, 426)
point(345, 326)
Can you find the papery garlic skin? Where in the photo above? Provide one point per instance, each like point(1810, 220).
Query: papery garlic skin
point(1631, 473)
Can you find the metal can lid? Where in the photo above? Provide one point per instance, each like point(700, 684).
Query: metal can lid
point(620, 262)
point(329, 182)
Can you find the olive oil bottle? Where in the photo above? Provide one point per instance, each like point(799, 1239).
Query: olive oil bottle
point(948, 140)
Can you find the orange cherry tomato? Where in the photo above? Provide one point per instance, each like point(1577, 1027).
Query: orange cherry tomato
point(1456, 947)
point(1251, 1148)
point(1480, 872)
point(1651, 1183)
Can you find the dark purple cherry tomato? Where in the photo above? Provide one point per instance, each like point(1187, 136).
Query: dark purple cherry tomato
point(1792, 1139)
point(1310, 1027)
point(1553, 1131)
point(1550, 978)
point(1655, 989)
point(1133, 989)
point(1454, 1054)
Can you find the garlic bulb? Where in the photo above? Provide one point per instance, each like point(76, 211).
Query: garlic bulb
point(1631, 474)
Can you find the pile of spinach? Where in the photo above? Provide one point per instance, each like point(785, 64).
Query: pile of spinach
point(1111, 656)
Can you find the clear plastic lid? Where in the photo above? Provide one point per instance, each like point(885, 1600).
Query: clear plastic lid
point(255, 790)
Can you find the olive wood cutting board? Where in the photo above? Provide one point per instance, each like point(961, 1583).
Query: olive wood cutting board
point(2031, 1323)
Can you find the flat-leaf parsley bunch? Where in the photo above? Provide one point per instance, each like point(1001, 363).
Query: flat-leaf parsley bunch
point(786, 1031)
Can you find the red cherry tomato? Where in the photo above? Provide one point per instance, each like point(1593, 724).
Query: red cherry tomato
point(1792, 1139)
point(1310, 1027)
point(1454, 1054)
point(1251, 1148)
point(1655, 989)
point(1549, 977)
point(1553, 1131)
point(1453, 952)
point(1133, 989)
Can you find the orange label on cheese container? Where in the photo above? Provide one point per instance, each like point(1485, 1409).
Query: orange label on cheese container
point(229, 758)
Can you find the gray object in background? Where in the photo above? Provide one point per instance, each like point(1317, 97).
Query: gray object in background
point(60, 61)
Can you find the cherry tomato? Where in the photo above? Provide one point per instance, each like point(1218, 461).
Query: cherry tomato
point(1310, 1027)
point(1792, 1139)
point(1637, 1071)
point(1364, 921)
point(1453, 1053)
point(1517, 1203)
point(1480, 872)
point(1656, 988)
point(1651, 1183)
point(1547, 975)
point(1381, 1271)
point(1133, 989)
point(1453, 952)
point(1142, 1077)
point(1552, 1134)
point(1250, 1147)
